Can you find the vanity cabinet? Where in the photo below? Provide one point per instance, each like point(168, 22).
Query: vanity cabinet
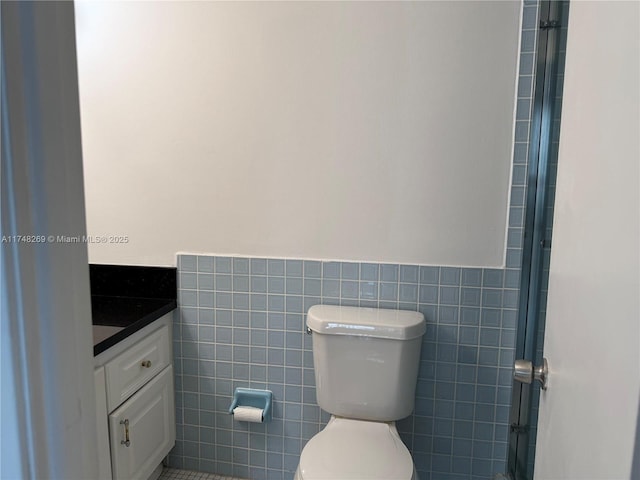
point(143, 429)
point(135, 404)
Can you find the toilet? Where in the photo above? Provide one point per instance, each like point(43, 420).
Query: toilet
point(366, 368)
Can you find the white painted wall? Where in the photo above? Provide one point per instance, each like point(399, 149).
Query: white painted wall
point(350, 130)
point(588, 415)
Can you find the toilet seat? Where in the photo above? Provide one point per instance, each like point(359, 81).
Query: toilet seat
point(348, 449)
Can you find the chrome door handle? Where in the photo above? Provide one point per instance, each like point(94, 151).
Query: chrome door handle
point(524, 371)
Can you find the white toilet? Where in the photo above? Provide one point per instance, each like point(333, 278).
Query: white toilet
point(366, 366)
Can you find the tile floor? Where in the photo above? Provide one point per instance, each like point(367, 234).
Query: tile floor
point(177, 474)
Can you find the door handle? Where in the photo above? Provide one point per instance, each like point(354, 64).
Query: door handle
point(525, 372)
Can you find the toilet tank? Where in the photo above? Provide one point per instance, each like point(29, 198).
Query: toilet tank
point(366, 360)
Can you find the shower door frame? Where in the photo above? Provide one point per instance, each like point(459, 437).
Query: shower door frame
point(535, 239)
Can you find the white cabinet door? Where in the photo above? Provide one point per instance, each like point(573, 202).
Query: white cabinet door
point(147, 421)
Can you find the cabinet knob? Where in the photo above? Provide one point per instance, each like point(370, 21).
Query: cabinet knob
point(146, 363)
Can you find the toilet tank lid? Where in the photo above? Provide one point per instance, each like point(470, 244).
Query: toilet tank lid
point(366, 322)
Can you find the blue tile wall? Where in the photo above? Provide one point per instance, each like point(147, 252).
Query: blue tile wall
point(242, 324)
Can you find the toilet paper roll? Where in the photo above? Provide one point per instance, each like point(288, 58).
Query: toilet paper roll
point(248, 414)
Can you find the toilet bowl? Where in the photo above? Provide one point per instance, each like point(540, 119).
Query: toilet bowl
point(348, 449)
point(366, 368)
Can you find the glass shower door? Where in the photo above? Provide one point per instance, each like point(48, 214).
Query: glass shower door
point(542, 167)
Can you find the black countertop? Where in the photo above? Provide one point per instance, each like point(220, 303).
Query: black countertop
point(126, 298)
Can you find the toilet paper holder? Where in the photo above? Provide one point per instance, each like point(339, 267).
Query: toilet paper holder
point(251, 397)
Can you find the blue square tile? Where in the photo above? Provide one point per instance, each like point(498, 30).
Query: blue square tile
point(369, 291)
point(206, 333)
point(241, 266)
point(487, 376)
point(349, 289)
point(258, 320)
point(430, 312)
point(293, 286)
point(447, 353)
point(468, 335)
point(188, 298)
point(205, 281)
point(223, 318)
point(293, 268)
point(330, 288)
point(331, 270)
point(240, 283)
point(258, 266)
point(312, 269)
point(470, 296)
point(460, 464)
point(448, 315)
point(241, 301)
point(429, 275)
point(409, 273)
point(389, 291)
point(223, 283)
point(259, 284)
point(489, 337)
point(471, 277)
point(428, 294)
point(205, 299)
point(206, 316)
point(491, 317)
point(275, 338)
point(275, 303)
point(276, 285)
point(481, 468)
point(258, 301)
point(276, 321)
point(512, 278)
point(187, 263)
point(294, 304)
point(223, 265)
point(442, 445)
point(488, 356)
point(408, 292)
point(369, 272)
point(258, 337)
point(515, 237)
point(312, 286)
point(275, 267)
point(189, 315)
point(509, 319)
point(492, 297)
point(389, 272)
point(240, 318)
point(223, 335)
point(188, 281)
point(350, 271)
point(440, 463)
point(449, 295)
point(450, 276)
point(492, 278)
point(510, 298)
point(508, 338)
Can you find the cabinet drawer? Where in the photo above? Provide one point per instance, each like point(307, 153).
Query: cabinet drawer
point(134, 367)
point(143, 429)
